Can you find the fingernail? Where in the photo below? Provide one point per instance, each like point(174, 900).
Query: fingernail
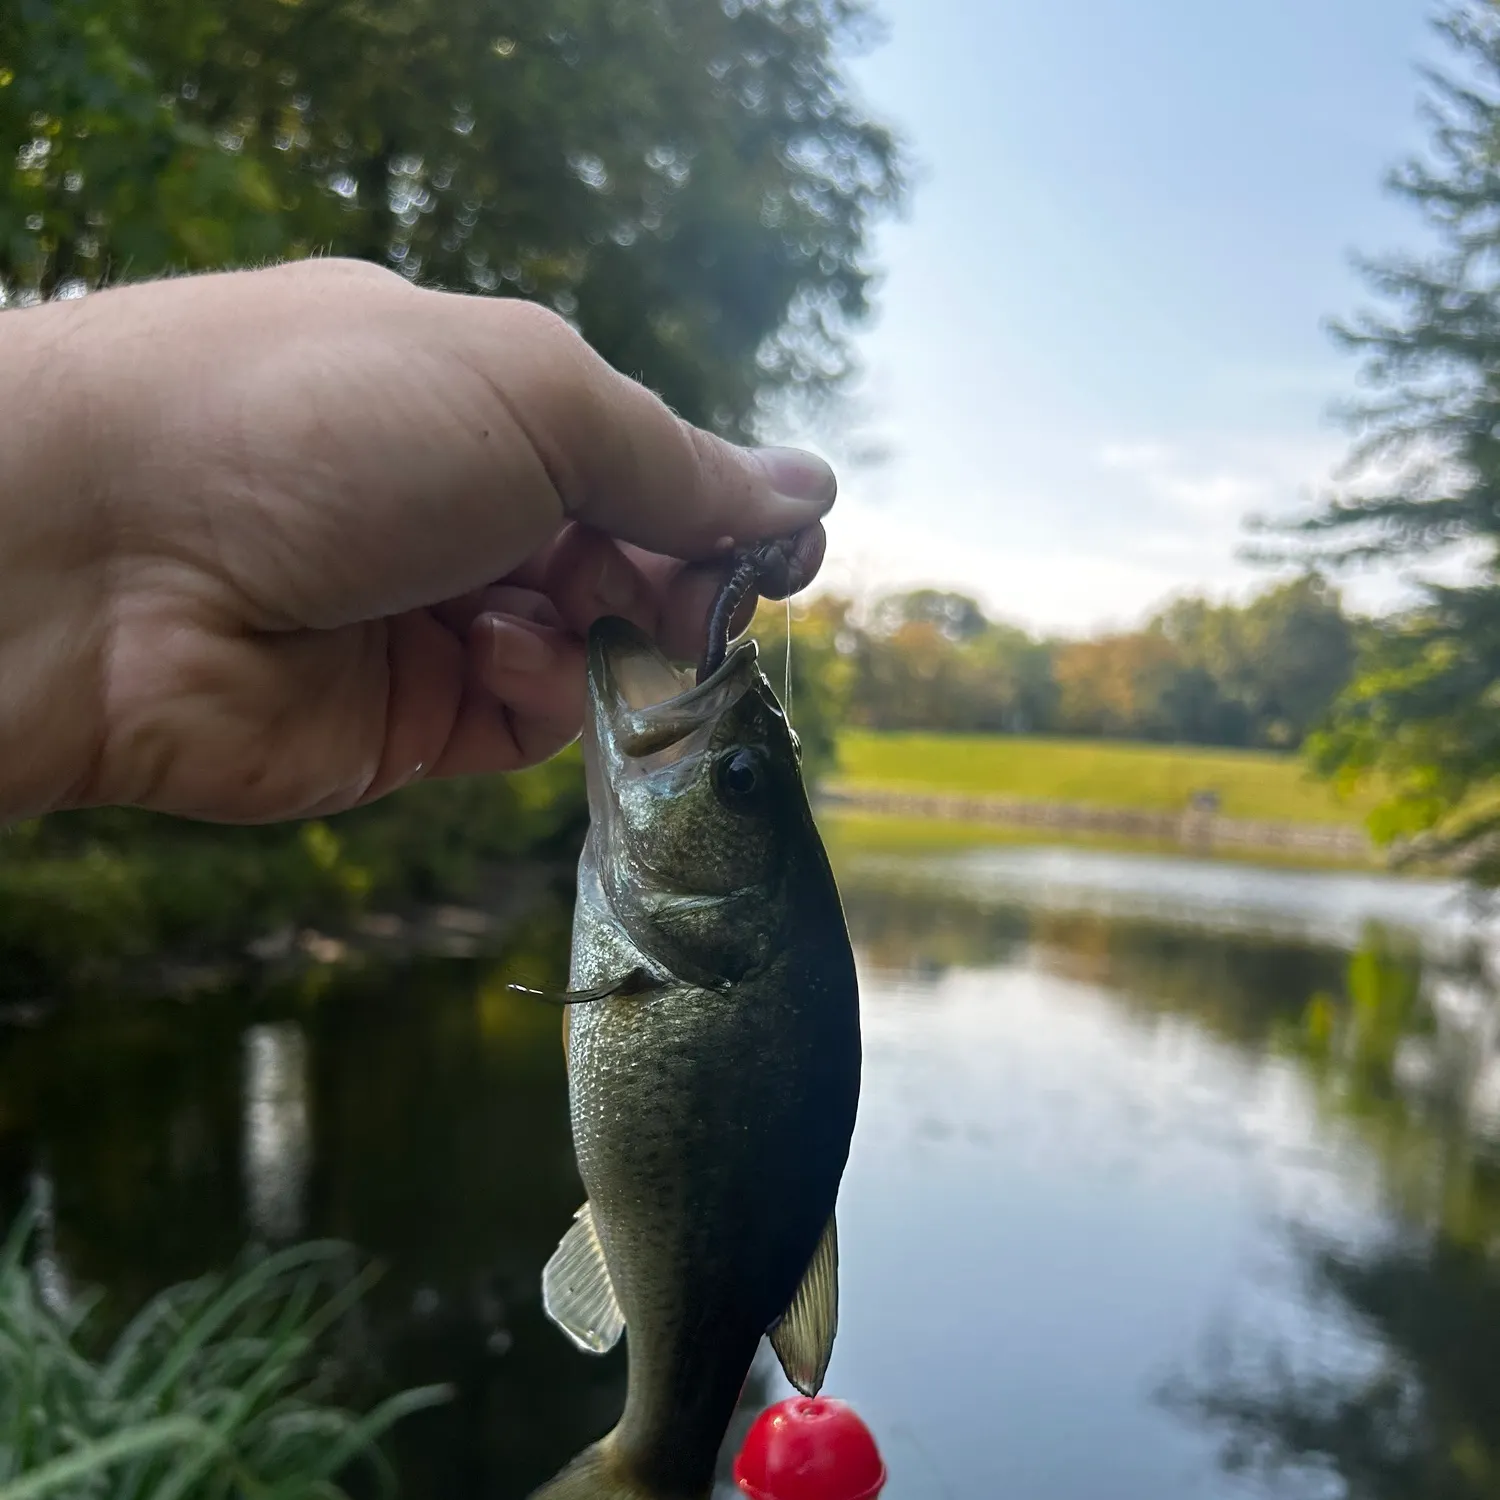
point(616, 584)
point(800, 477)
point(513, 648)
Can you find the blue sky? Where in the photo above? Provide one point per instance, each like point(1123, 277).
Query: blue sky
point(1100, 338)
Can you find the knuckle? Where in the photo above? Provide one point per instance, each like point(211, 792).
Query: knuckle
point(713, 461)
point(542, 322)
point(345, 268)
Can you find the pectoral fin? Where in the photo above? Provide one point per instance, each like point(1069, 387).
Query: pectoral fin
point(803, 1339)
point(577, 1292)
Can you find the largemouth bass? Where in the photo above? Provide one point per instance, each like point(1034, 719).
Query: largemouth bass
point(713, 1063)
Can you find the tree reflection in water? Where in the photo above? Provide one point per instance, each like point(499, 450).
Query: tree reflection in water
point(1409, 1062)
point(1404, 1053)
point(277, 1146)
point(419, 1112)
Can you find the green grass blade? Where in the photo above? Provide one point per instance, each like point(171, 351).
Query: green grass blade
point(242, 1293)
point(84, 1463)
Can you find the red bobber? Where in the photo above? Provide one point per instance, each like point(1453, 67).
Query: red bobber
point(809, 1448)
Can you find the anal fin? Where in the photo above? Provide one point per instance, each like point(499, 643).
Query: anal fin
point(577, 1292)
point(803, 1339)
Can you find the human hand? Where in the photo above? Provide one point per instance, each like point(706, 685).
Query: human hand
point(282, 541)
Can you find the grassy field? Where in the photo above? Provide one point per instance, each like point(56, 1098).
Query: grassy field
point(1250, 783)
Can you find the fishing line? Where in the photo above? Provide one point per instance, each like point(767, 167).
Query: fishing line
point(552, 997)
point(787, 700)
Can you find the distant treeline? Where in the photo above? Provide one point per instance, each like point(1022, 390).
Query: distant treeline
point(1260, 674)
point(81, 893)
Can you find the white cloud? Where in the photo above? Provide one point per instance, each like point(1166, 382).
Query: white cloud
point(1219, 494)
point(1167, 521)
point(1069, 586)
point(1137, 457)
point(1228, 478)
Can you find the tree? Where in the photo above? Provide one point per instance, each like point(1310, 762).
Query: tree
point(1020, 691)
point(1301, 645)
point(1421, 712)
point(1266, 673)
point(930, 659)
point(956, 616)
point(818, 668)
point(1118, 685)
point(691, 183)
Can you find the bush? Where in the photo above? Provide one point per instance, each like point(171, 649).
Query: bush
point(83, 893)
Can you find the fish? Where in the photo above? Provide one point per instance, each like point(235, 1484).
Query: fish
point(713, 1049)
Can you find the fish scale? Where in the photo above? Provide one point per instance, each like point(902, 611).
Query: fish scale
point(714, 1073)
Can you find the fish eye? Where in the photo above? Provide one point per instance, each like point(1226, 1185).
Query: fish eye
point(739, 778)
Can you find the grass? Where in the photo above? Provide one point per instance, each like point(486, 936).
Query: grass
point(1251, 784)
point(216, 1389)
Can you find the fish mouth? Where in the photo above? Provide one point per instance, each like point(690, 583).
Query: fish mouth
point(641, 703)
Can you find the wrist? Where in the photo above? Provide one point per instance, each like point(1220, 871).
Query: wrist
point(54, 564)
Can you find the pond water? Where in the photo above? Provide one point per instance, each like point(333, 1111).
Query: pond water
point(1172, 1180)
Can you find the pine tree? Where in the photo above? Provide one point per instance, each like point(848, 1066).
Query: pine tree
point(1423, 711)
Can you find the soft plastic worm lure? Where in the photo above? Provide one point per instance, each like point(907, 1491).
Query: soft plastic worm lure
point(774, 569)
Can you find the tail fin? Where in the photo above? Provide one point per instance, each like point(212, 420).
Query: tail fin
point(596, 1474)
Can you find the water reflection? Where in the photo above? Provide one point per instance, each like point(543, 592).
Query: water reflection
point(1122, 1138)
point(1333, 907)
point(52, 1281)
point(278, 1147)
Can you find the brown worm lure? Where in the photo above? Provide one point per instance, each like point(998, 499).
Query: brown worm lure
point(773, 569)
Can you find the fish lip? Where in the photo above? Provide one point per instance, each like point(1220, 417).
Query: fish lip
point(640, 731)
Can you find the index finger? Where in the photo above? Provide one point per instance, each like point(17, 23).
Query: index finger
point(615, 456)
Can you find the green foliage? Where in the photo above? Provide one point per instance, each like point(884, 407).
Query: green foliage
point(1421, 711)
point(1200, 673)
point(211, 1390)
point(1263, 673)
point(920, 665)
point(83, 893)
point(956, 616)
point(1421, 714)
point(104, 174)
point(1271, 668)
point(692, 184)
point(433, 841)
point(1355, 1035)
point(1421, 1417)
point(819, 673)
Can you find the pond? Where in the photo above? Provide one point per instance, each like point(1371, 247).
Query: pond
point(1172, 1180)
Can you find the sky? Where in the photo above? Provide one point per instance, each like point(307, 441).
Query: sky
point(1100, 337)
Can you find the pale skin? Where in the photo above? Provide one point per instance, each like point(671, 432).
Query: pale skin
point(275, 543)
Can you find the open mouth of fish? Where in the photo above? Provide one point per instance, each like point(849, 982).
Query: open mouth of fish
point(643, 704)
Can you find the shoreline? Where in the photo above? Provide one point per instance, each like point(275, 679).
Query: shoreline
point(1192, 830)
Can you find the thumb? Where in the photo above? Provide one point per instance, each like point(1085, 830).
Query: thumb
point(616, 456)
